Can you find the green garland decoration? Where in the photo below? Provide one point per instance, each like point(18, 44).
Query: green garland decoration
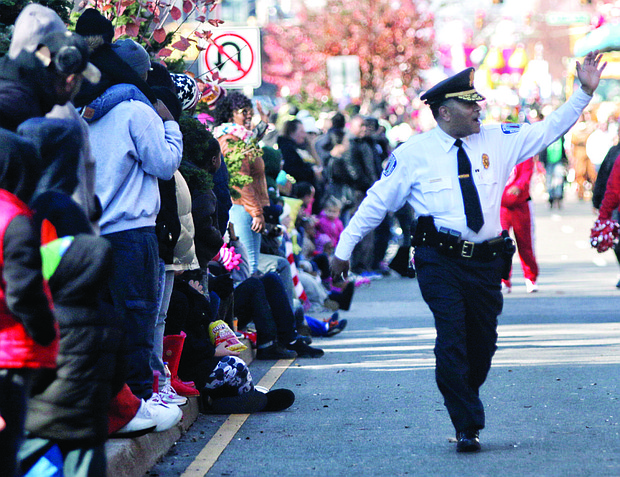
point(237, 150)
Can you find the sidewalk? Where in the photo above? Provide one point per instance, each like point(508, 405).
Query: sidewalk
point(134, 457)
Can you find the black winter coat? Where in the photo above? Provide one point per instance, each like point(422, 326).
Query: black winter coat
point(360, 158)
point(167, 224)
point(221, 190)
point(59, 142)
point(293, 163)
point(70, 404)
point(25, 90)
point(191, 312)
point(207, 238)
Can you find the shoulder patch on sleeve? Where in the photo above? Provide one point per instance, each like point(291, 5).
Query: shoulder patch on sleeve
point(390, 166)
point(510, 128)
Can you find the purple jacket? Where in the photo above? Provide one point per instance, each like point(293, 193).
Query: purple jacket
point(331, 228)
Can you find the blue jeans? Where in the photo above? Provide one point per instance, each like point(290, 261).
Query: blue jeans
point(250, 239)
point(274, 263)
point(134, 287)
point(166, 281)
point(263, 300)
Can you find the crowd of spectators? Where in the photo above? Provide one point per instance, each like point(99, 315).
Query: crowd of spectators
point(132, 226)
point(131, 230)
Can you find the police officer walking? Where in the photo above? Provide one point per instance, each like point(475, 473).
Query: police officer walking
point(454, 177)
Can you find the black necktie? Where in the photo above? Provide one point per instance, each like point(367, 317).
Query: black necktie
point(471, 200)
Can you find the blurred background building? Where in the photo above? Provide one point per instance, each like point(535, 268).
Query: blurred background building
point(503, 39)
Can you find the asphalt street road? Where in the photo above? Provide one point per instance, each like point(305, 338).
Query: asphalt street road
point(370, 406)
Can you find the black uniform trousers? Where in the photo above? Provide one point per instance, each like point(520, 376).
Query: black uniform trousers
point(465, 298)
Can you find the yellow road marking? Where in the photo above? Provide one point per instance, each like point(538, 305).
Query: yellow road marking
point(227, 431)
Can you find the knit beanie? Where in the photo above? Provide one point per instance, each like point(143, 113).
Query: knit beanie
point(133, 54)
point(92, 23)
point(33, 23)
point(187, 90)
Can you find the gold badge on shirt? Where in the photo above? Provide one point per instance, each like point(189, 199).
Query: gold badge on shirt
point(485, 161)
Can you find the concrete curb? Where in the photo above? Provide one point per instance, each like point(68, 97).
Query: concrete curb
point(134, 457)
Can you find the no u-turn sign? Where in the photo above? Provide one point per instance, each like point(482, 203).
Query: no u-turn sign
point(234, 54)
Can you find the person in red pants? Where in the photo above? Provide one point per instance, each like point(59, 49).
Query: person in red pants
point(516, 213)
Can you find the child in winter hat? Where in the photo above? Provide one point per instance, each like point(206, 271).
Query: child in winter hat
point(187, 91)
point(134, 55)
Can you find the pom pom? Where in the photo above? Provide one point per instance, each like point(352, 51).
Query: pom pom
point(228, 258)
point(604, 234)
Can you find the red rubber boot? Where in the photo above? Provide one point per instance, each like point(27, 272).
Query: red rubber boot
point(173, 346)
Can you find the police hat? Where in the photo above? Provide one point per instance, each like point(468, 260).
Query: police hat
point(69, 54)
point(460, 86)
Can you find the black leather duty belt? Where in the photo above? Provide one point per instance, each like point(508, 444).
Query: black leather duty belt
point(452, 246)
point(484, 251)
point(448, 242)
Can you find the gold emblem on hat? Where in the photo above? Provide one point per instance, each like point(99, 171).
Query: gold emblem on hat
point(485, 161)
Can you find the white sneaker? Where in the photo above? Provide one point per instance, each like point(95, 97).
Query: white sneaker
point(142, 423)
point(165, 415)
point(169, 396)
point(530, 286)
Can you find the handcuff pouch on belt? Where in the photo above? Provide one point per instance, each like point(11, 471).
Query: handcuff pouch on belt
point(448, 242)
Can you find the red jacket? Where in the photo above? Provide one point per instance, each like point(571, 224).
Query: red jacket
point(611, 199)
point(18, 349)
point(520, 176)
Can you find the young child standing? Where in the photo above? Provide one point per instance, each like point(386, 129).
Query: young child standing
point(329, 222)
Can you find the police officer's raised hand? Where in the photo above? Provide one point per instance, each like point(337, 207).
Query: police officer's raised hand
point(589, 73)
point(340, 269)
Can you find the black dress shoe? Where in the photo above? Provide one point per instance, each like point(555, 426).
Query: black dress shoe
point(468, 441)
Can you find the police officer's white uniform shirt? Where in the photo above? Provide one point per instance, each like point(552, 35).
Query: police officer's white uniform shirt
point(423, 172)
